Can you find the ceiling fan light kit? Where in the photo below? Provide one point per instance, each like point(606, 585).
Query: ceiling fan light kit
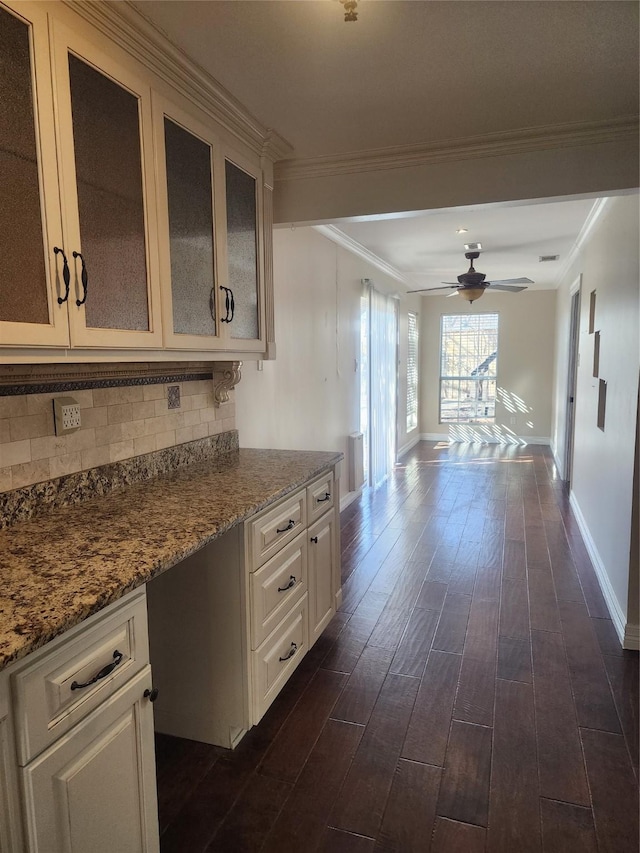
point(471, 284)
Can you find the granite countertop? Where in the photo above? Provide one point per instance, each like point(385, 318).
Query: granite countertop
point(60, 567)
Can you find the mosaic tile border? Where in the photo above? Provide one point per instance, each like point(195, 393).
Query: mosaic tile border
point(87, 384)
point(23, 504)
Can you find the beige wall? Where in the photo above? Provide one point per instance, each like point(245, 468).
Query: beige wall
point(525, 358)
point(117, 424)
point(308, 398)
point(547, 173)
point(603, 461)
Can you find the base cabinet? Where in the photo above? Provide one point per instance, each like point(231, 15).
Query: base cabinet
point(77, 753)
point(229, 625)
point(94, 789)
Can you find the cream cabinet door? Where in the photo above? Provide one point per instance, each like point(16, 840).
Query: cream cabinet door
point(10, 824)
point(108, 194)
point(241, 254)
point(95, 788)
point(321, 569)
point(33, 295)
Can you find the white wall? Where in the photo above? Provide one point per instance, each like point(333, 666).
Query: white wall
point(525, 358)
point(603, 461)
point(308, 398)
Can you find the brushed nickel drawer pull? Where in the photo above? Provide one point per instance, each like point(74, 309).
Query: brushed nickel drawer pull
point(289, 526)
point(104, 672)
point(290, 653)
point(292, 582)
point(327, 497)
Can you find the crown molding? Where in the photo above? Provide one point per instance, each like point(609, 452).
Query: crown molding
point(597, 210)
point(346, 242)
point(502, 143)
point(131, 30)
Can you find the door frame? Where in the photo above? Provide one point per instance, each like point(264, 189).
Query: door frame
point(572, 375)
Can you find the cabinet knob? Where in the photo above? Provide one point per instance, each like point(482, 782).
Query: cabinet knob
point(314, 539)
point(152, 694)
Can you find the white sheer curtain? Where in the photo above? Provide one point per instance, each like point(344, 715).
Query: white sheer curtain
point(383, 342)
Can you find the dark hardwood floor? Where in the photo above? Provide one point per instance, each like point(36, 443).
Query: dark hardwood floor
point(471, 695)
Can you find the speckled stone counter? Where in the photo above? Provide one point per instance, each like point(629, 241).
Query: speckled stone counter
point(60, 567)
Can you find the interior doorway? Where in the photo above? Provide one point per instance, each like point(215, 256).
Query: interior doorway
point(378, 392)
point(574, 323)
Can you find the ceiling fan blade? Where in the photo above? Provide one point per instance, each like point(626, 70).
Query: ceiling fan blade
point(512, 281)
point(449, 295)
point(509, 288)
point(452, 283)
point(427, 289)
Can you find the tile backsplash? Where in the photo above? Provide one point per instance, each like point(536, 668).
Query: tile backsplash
point(117, 423)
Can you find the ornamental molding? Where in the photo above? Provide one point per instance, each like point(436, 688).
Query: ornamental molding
point(131, 30)
point(331, 232)
point(499, 144)
point(226, 381)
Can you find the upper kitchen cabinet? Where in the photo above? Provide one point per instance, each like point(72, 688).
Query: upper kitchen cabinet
point(32, 275)
point(209, 203)
point(136, 197)
point(108, 196)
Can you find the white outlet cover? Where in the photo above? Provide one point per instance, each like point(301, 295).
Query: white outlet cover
point(66, 415)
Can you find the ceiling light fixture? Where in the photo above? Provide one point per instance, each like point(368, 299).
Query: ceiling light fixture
point(471, 293)
point(462, 230)
point(350, 13)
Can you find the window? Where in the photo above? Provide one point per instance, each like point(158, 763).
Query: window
point(468, 368)
point(412, 372)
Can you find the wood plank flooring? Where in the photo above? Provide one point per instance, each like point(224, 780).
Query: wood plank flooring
point(470, 696)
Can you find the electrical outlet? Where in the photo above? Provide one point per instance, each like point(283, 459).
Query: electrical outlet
point(66, 415)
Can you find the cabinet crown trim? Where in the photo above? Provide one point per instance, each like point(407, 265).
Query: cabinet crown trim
point(132, 31)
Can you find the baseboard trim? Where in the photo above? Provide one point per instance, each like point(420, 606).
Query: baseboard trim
point(407, 447)
point(631, 637)
point(349, 498)
point(615, 611)
point(522, 440)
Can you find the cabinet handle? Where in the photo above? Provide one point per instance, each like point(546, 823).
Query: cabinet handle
point(327, 497)
point(152, 694)
point(104, 672)
point(84, 278)
point(233, 306)
point(292, 582)
point(66, 275)
point(227, 305)
point(290, 653)
point(289, 526)
point(314, 539)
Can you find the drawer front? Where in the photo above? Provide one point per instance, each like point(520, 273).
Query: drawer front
point(75, 673)
point(320, 497)
point(278, 657)
point(274, 528)
point(276, 587)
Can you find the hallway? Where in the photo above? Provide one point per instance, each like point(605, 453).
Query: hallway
point(471, 694)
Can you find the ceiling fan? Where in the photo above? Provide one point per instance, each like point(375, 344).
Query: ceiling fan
point(471, 284)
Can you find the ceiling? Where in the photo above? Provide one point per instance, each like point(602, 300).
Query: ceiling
point(423, 71)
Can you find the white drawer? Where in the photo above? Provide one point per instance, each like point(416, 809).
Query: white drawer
point(276, 587)
point(278, 656)
point(49, 691)
point(272, 529)
point(320, 497)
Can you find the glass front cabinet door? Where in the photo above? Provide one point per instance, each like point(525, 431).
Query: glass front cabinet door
point(108, 196)
point(210, 253)
point(33, 275)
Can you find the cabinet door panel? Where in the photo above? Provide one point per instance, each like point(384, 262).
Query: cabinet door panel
point(321, 567)
point(94, 789)
point(28, 313)
point(243, 253)
point(104, 123)
point(106, 138)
